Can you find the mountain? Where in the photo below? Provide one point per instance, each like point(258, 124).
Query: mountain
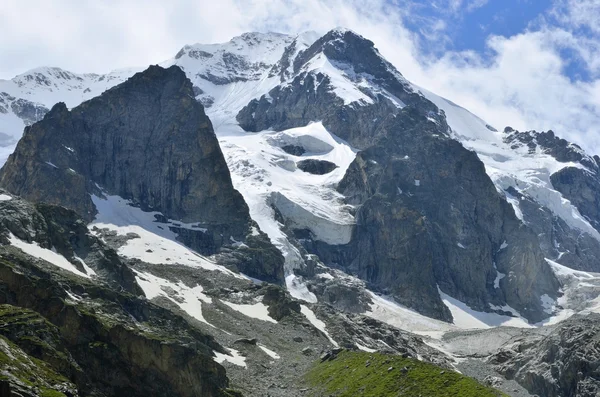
point(383, 209)
point(149, 141)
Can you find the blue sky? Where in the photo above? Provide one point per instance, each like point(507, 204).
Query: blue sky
point(467, 25)
point(470, 24)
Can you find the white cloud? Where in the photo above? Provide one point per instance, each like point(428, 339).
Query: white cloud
point(521, 85)
point(475, 4)
point(88, 35)
point(521, 81)
point(578, 13)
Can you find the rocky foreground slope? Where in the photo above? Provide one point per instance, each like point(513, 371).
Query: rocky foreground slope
point(87, 325)
point(385, 218)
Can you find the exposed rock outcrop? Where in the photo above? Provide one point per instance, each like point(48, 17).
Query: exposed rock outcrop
point(566, 362)
point(108, 343)
point(579, 182)
point(317, 167)
point(428, 217)
point(558, 241)
point(147, 140)
point(27, 111)
point(61, 230)
point(582, 187)
point(310, 97)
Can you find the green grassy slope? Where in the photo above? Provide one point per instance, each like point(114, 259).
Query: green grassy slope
point(353, 374)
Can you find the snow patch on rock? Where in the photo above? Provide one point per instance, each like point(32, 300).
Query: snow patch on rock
point(189, 299)
point(156, 243)
point(318, 324)
point(234, 357)
point(256, 310)
point(50, 256)
point(467, 318)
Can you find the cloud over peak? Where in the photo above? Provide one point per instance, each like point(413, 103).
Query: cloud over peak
point(547, 76)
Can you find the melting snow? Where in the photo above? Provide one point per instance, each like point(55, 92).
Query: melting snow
point(548, 304)
point(50, 256)
point(87, 269)
point(298, 289)
point(156, 243)
point(5, 197)
point(188, 299)
point(467, 318)
point(235, 357)
point(257, 310)
point(326, 276)
point(269, 352)
point(499, 276)
point(72, 296)
point(364, 348)
point(386, 310)
point(318, 324)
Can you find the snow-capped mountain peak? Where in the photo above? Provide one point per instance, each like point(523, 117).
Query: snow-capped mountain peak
point(363, 194)
point(256, 71)
point(236, 59)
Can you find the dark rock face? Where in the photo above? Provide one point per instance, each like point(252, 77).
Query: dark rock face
point(428, 216)
point(147, 140)
point(289, 106)
point(582, 188)
point(559, 242)
point(299, 103)
point(27, 111)
point(294, 150)
point(317, 167)
point(347, 297)
point(259, 259)
point(580, 185)
point(279, 302)
point(61, 229)
point(107, 353)
point(564, 363)
point(561, 149)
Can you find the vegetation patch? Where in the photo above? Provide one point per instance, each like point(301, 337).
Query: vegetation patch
point(350, 374)
point(36, 376)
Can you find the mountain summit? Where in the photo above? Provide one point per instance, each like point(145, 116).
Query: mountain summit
point(373, 207)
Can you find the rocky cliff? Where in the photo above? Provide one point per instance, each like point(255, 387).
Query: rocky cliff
point(428, 216)
point(383, 200)
point(69, 305)
point(566, 362)
point(578, 181)
point(149, 141)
